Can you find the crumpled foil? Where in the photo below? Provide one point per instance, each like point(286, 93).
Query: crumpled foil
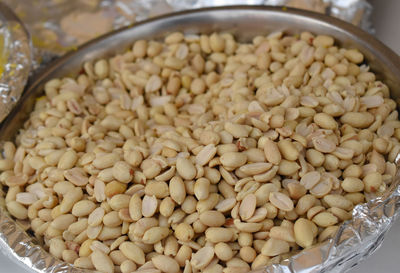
point(51, 25)
point(58, 26)
point(15, 60)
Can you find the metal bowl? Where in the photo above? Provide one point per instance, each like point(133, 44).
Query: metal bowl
point(355, 239)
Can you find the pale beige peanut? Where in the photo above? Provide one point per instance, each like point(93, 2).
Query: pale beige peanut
point(323, 41)
point(282, 233)
point(149, 205)
point(167, 206)
point(247, 254)
point(247, 207)
point(303, 232)
point(233, 159)
point(70, 198)
point(314, 157)
point(67, 160)
point(202, 188)
point(56, 248)
point(85, 250)
point(255, 168)
point(323, 144)
point(17, 210)
point(260, 261)
point(310, 179)
point(122, 171)
point(281, 201)
point(63, 221)
point(352, 184)
point(202, 257)
point(208, 204)
point(157, 188)
point(223, 251)
point(96, 217)
point(76, 176)
point(185, 168)
point(372, 181)
point(275, 247)
point(245, 239)
point(226, 205)
point(218, 234)
point(69, 256)
point(112, 219)
point(325, 121)
point(325, 219)
point(177, 189)
point(184, 232)
point(165, 264)
point(247, 227)
point(135, 207)
point(119, 201)
point(84, 262)
point(354, 55)
point(155, 234)
point(288, 150)
point(212, 218)
point(358, 119)
point(236, 130)
point(206, 154)
point(296, 190)
point(271, 152)
point(102, 262)
point(105, 161)
point(128, 266)
point(287, 167)
point(336, 200)
point(133, 252)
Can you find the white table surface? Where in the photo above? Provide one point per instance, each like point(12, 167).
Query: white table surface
point(385, 259)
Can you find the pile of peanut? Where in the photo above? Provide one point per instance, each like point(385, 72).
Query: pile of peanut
point(202, 154)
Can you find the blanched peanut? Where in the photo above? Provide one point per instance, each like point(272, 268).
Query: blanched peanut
point(325, 121)
point(274, 247)
point(288, 150)
point(233, 159)
point(272, 153)
point(102, 262)
point(185, 168)
point(184, 232)
point(357, 119)
point(212, 218)
point(133, 252)
point(303, 232)
point(372, 181)
point(216, 234)
point(352, 184)
point(165, 264)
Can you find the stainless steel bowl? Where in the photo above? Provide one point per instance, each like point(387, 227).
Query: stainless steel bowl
point(244, 22)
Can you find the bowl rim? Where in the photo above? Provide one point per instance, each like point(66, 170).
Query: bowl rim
point(368, 39)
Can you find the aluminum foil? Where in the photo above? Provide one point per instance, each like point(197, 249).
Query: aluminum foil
point(15, 60)
point(51, 36)
point(58, 26)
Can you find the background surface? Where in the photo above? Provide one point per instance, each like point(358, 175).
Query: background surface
point(386, 259)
